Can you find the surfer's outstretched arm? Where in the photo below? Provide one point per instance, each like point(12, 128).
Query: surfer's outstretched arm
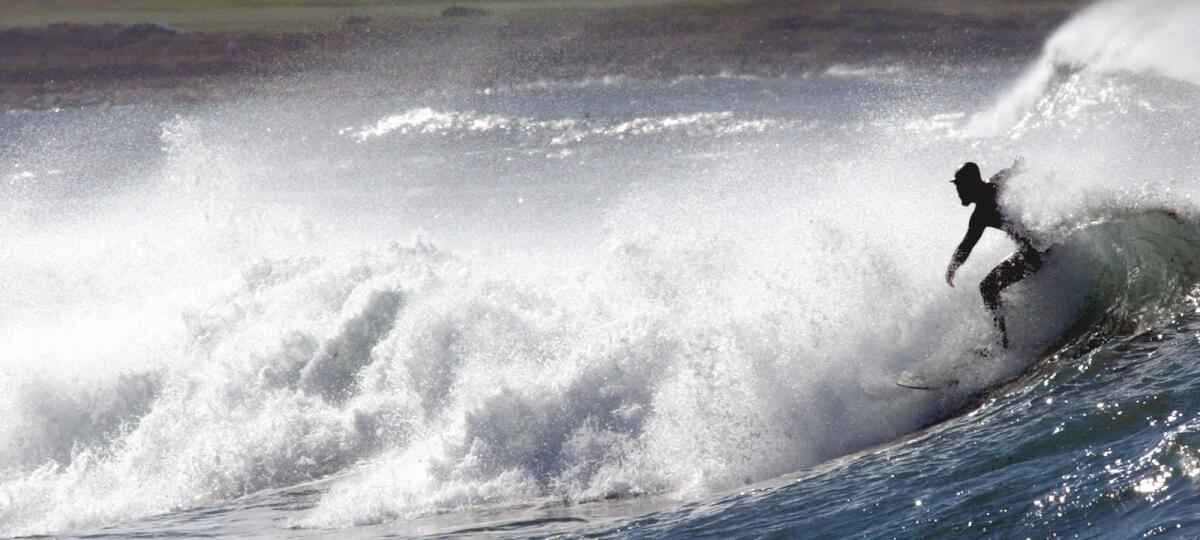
point(1017, 167)
point(974, 233)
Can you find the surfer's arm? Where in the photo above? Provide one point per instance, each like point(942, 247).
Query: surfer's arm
point(974, 233)
point(1017, 167)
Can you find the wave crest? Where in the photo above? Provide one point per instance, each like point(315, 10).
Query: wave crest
point(1155, 37)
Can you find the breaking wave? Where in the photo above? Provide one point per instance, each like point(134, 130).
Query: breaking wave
point(229, 315)
point(1154, 37)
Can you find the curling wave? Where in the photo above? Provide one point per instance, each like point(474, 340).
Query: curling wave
point(1132, 36)
point(1141, 269)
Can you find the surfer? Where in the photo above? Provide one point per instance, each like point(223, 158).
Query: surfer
point(989, 213)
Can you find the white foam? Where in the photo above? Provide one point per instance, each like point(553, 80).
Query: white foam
point(741, 312)
point(565, 131)
point(215, 351)
point(888, 72)
point(427, 120)
point(1137, 36)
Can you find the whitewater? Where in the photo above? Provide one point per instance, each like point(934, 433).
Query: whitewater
point(612, 306)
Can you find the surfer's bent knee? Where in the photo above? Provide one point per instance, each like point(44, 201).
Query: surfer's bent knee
point(991, 293)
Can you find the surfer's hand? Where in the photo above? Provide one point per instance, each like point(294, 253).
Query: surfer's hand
point(1018, 164)
point(950, 277)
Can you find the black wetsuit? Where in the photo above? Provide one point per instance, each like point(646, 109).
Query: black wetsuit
point(1021, 264)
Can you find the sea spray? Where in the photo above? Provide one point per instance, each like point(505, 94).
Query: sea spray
point(704, 342)
point(456, 318)
point(1156, 37)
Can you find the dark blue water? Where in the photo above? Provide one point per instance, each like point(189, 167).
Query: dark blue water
point(1098, 446)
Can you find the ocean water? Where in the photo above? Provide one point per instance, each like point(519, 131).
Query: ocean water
point(613, 307)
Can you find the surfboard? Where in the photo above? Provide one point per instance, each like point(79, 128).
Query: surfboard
point(918, 381)
point(932, 375)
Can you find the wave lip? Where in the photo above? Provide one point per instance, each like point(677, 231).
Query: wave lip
point(1156, 37)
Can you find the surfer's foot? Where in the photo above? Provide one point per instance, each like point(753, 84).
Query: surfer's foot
point(999, 320)
point(1002, 341)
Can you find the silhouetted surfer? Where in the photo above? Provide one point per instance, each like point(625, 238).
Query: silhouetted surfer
point(989, 213)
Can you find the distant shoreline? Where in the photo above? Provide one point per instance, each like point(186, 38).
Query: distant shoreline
point(71, 64)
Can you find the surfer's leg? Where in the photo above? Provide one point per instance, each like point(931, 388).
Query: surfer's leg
point(1015, 268)
point(1004, 274)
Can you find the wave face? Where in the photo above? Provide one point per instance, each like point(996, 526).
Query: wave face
point(542, 309)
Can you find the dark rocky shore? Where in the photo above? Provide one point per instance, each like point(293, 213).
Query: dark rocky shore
point(64, 65)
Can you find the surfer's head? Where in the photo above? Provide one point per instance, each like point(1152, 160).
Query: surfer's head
point(968, 182)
